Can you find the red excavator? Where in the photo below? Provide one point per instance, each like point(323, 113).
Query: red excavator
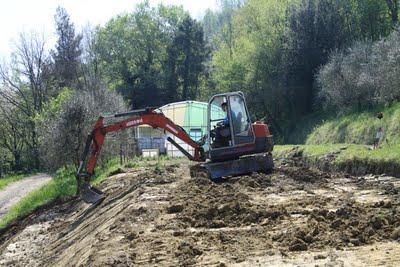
point(233, 145)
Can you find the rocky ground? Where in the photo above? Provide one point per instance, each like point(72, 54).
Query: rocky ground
point(294, 216)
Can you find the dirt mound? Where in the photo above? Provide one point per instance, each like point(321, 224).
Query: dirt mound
point(186, 253)
point(212, 205)
point(255, 180)
point(304, 174)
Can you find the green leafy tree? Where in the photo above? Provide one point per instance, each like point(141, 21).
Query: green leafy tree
point(130, 49)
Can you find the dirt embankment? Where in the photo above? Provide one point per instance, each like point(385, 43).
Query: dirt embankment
point(353, 166)
point(294, 216)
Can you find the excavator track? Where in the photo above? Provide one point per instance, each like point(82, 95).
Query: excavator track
point(245, 165)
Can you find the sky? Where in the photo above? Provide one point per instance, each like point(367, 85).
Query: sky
point(18, 16)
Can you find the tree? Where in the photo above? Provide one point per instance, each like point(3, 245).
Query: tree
point(252, 61)
point(190, 54)
point(373, 19)
point(68, 118)
point(130, 49)
point(152, 56)
point(362, 76)
point(68, 50)
point(12, 134)
point(23, 86)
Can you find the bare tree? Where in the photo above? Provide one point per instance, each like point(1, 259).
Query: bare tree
point(23, 86)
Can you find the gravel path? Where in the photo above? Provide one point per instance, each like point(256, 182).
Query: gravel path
point(14, 192)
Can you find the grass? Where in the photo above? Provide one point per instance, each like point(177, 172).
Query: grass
point(358, 127)
point(323, 133)
point(4, 181)
point(62, 185)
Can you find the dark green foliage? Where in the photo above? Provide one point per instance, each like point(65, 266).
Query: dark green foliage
point(273, 50)
point(68, 50)
point(393, 6)
point(190, 55)
point(156, 55)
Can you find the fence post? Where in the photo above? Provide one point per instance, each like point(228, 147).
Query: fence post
point(120, 154)
point(1, 167)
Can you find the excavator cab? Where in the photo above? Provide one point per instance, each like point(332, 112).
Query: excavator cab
point(229, 122)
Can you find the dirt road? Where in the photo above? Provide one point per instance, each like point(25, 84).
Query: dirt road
point(294, 217)
point(14, 192)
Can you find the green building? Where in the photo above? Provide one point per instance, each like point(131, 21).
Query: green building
point(190, 115)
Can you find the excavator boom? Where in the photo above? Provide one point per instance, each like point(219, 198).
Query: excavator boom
point(96, 139)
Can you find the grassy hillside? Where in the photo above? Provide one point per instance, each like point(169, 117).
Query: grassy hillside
point(349, 138)
point(355, 128)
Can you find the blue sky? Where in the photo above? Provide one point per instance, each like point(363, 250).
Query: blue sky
point(17, 16)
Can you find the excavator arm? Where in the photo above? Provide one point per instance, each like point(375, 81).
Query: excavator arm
point(96, 138)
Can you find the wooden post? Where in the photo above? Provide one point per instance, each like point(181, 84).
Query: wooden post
point(120, 154)
point(1, 167)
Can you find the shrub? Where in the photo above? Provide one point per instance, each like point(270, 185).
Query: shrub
point(363, 76)
point(63, 131)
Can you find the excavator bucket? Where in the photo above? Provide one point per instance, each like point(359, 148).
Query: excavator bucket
point(91, 194)
point(245, 165)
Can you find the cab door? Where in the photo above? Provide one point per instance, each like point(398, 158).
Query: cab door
point(240, 120)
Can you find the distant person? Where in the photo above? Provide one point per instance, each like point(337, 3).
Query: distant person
point(378, 137)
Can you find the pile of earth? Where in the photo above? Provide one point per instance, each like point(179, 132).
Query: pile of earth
point(202, 203)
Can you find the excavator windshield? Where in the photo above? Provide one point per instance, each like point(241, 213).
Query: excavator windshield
point(241, 124)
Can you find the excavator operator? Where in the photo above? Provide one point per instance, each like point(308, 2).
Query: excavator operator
point(224, 107)
point(222, 131)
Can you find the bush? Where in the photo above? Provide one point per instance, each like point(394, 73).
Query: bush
point(363, 76)
point(64, 130)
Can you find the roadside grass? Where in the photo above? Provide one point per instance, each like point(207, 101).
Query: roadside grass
point(353, 127)
point(6, 180)
point(63, 184)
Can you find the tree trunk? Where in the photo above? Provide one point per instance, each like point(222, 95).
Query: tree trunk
point(393, 6)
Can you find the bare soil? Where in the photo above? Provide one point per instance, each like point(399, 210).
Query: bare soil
point(294, 216)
